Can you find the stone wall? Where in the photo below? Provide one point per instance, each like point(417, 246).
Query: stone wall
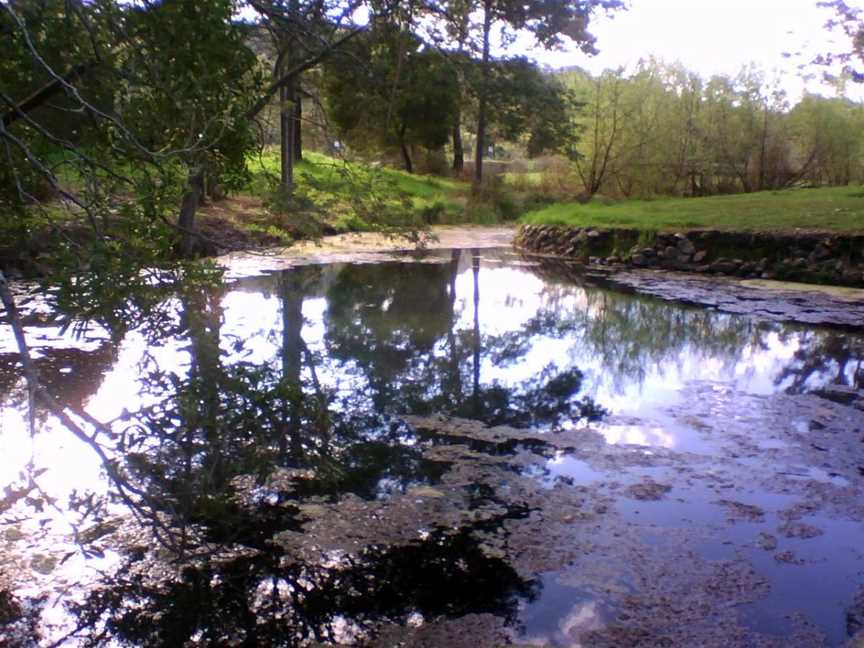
point(825, 258)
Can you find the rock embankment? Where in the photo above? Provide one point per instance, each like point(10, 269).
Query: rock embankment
point(824, 258)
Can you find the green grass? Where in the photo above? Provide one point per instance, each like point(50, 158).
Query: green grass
point(833, 209)
point(334, 187)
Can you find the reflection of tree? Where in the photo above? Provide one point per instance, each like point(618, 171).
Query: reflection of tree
point(426, 369)
point(388, 321)
point(631, 333)
point(269, 599)
point(206, 429)
point(71, 374)
point(228, 451)
point(824, 357)
point(230, 455)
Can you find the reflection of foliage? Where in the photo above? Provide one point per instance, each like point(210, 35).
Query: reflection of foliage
point(824, 357)
point(551, 400)
point(205, 432)
point(267, 599)
point(191, 457)
point(71, 374)
point(19, 620)
point(401, 330)
point(231, 455)
point(632, 334)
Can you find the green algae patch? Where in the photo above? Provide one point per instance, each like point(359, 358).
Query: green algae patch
point(840, 292)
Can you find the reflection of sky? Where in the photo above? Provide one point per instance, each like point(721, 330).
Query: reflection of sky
point(52, 337)
point(509, 298)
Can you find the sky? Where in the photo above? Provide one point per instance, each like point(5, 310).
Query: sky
point(711, 37)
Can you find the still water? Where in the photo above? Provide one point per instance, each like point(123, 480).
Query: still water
point(462, 448)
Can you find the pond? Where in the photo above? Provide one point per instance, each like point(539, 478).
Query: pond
point(456, 448)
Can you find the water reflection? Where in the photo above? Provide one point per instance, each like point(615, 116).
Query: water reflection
point(242, 407)
point(269, 599)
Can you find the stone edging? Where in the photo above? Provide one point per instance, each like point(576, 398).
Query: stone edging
point(822, 258)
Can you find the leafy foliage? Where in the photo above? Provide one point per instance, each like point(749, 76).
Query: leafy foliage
point(408, 94)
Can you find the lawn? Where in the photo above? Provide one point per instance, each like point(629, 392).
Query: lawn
point(832, 209)
point(335, 186)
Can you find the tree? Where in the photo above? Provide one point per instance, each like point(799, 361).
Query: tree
point(826, 137)
point(145, 97)
point(205, 84)
point(526, 102)
point(548, 22)
point(662, 130)
point(304, 33)
point(408, 93)
point(597, 130)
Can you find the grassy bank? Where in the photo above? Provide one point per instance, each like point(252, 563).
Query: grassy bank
point(833, 209)
point(358, 196)
point(350, 196)
point(331, 196)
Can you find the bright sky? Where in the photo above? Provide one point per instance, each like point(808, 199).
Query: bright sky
point(713, 36)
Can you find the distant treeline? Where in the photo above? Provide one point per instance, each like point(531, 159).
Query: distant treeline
point(660, 129)
point(664, 130)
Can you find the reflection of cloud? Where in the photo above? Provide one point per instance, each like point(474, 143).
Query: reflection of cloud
point(641, 435)
point(583, 618)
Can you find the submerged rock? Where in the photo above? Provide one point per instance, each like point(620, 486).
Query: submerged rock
point(840, 394)
point(800, 530)
point(766, 541)
point(648, 491)
point(855, 617)
point(738, 511)
point(788, 557)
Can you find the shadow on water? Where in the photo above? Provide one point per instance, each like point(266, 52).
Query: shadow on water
point(248, 409)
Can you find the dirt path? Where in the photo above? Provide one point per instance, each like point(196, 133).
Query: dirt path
point(362, 246)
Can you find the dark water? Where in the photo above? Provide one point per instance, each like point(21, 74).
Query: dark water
point(255, 483)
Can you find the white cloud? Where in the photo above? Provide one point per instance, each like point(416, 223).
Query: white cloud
point(712, 37)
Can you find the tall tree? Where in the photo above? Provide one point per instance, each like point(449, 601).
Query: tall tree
point(598, 130)
point(549, 22)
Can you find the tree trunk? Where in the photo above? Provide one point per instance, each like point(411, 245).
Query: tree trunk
point(763, 151)
point(458, 146)
point(484, 91)
point(188, 208)
point(458, 149)
point(406, 157)
point(298, 132)
point(286, 136)
point(205, 188)
point(288, 110)
point(406, 154)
